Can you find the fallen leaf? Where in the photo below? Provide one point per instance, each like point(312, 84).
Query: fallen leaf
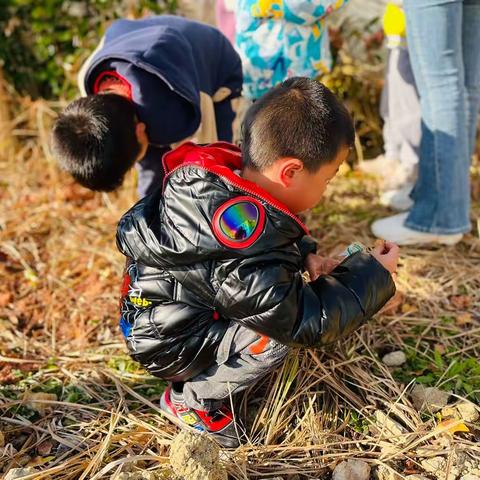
point(37, 461)
point(451, 426)
point(407, 308)
point(440, 348)
point(463, 319)
point(5, 299)
point(45, 448)
point(461, 301)
point(39, 401)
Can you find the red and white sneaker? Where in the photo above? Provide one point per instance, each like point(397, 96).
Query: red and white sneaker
point(219, 423)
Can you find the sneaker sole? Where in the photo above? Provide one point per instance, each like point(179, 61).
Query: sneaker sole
point(450, 240)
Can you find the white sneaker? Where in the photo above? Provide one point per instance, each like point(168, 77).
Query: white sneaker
point(380, 166)
point(394, 230)
point(398, 199)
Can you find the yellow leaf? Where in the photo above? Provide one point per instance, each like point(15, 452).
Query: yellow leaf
point(451, 426)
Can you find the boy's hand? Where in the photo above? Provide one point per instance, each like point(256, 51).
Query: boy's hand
point(387, 254)
point(317, 265)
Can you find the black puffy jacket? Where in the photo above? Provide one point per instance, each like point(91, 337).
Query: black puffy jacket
point(212, 248)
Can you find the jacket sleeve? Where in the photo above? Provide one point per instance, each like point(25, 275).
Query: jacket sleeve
point(272, 298)
point(306, 245)
point(309, 11)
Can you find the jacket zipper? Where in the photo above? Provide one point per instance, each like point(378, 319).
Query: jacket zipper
point(247, 190)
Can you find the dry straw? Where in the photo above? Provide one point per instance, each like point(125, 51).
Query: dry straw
point(58, 320)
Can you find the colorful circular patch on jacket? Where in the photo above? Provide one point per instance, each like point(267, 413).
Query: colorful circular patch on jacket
point(239, 222)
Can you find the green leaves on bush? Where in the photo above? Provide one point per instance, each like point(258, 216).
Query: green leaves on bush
point(43, 43)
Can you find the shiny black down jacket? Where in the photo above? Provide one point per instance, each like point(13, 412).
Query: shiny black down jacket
point(213, 248)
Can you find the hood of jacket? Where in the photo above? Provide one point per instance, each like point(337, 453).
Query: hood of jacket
point(205, 211)
point(167, 61)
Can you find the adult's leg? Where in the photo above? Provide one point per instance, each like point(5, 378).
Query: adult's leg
point(391, 139)
point(243, 358)
point(407, 108)
point(471, 61)
point(442, 200)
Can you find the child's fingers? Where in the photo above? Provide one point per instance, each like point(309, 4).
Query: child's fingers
point(389, 246)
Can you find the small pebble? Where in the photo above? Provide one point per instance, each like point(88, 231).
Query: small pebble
point(394, 359)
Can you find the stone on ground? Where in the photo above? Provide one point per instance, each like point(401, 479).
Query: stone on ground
point(468, 411)
point(429, 398)
point(352, 470)
point(196, 457)
point(394, 359)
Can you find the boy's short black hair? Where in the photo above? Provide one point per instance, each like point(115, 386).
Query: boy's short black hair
point(95, 140)
point(299, 118)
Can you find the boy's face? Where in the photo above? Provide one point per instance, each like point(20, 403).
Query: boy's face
point(303, 189)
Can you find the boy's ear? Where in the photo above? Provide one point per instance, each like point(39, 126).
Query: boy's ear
point(290, 167)
point(142, 138)
point(141, 132)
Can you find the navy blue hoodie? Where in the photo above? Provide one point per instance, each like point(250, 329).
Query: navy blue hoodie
point(167, 61)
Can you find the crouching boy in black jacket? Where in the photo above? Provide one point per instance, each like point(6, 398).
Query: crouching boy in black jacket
point(213, 295)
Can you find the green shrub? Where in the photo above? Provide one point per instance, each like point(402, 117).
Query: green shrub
point(44, 42)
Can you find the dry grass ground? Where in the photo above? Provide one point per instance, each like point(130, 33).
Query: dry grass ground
point(60, 279)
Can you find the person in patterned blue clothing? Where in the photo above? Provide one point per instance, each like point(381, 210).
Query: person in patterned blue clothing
point(279, 39)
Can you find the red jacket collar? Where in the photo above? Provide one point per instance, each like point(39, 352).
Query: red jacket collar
point(220, 158)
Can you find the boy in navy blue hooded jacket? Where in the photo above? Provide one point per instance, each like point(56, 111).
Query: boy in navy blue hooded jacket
point(149, 85)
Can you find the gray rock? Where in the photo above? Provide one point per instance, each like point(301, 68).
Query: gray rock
point(394, 359)
point(352, 470)
point(429, 398)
